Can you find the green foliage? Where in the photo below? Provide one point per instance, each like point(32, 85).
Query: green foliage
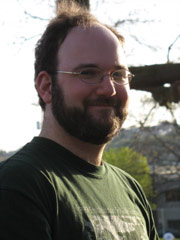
point(133, 163)
point(174, 239)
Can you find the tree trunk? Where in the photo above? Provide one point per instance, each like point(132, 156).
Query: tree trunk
point(153, 79)
point(84, 3)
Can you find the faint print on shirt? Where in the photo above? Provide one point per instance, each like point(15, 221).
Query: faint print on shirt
point(114, 227)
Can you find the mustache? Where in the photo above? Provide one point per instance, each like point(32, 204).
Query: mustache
point(102, 101)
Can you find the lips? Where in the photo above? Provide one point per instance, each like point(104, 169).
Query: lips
point(101, 102)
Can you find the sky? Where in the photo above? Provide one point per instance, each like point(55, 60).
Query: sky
point(146, 43)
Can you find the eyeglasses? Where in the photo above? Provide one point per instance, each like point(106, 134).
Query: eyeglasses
point(94, 76)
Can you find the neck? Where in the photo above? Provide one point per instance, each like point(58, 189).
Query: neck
point(89, 152)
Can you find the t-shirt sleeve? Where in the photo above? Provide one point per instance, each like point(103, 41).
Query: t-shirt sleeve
point(26, 200)
point(146, 210)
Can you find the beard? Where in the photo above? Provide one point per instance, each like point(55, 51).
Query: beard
point(84, 125)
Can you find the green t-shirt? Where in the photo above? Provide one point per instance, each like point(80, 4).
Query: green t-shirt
point(48, 193)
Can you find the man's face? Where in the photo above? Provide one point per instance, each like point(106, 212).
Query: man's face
point(92, 113)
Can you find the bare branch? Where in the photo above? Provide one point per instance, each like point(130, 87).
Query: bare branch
point(175, 120)
point(131, 21)
point(166, 146)
point(170, 47)
point(35, 17)
point(27, 39)
point(140, 42)
point(142, 124)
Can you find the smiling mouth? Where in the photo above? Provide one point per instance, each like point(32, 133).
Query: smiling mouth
point(102, 107)
point(102, 103)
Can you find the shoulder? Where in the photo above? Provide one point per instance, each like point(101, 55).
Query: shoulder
point(115, 171)
point(18, 166)
point(130, 183)
point(25, 174)
point(22, 179)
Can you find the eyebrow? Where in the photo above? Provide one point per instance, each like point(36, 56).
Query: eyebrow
point(92, 65)
point(86, 65)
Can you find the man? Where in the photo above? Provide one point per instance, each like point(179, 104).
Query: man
point(58, 186)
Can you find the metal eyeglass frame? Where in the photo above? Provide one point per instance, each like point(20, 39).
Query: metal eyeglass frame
point(130, 76)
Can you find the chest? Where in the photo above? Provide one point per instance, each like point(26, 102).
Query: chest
point(97, 209)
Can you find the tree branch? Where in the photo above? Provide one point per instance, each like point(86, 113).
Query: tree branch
point(142, 124)
point(35, 17)
point(141, 43)
point(27, 39)
point(131, 21)
point(169, 48)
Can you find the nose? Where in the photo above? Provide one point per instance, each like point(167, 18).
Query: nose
point(106, 87)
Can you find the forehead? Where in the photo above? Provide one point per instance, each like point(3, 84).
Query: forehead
point(92, 45)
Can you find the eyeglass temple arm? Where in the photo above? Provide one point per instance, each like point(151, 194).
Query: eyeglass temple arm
point(75, 73)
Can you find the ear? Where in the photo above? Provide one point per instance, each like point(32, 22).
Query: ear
point(43, 86)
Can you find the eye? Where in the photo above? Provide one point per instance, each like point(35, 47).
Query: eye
point(118, 75)
point(89, 73)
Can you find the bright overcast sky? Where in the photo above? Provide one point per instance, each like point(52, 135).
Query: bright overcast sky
point(19, 33)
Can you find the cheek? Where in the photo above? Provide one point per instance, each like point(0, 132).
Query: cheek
point(123, 95)
point(76, 93)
